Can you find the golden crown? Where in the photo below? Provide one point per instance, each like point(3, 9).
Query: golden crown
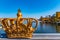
point(15, 27)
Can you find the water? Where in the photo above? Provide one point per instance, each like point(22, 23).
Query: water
point(45, 28)
point(42, 28)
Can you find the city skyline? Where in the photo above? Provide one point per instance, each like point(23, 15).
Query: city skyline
point(29, 8)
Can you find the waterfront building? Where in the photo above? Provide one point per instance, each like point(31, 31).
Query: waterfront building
point(46, 20)
point(51, 19)
point(58, 15)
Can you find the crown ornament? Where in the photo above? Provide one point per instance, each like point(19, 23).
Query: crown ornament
point(15, 27)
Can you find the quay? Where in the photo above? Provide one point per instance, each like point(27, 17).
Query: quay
point(54, 36)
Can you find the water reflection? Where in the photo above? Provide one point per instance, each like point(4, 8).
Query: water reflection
point(46, 28)
point(49, 28)
point(58, 28)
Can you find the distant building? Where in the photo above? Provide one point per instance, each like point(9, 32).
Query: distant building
point(58, 15)
point(46, 20)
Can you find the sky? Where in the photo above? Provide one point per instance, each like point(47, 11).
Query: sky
point(29, 8)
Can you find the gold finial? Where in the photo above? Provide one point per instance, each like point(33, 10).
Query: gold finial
point(19, 13)
point(19, 10)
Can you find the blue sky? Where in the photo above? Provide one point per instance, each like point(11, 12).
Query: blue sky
point(29, 8)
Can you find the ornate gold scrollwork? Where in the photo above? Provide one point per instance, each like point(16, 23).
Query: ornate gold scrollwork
point(15, 28)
